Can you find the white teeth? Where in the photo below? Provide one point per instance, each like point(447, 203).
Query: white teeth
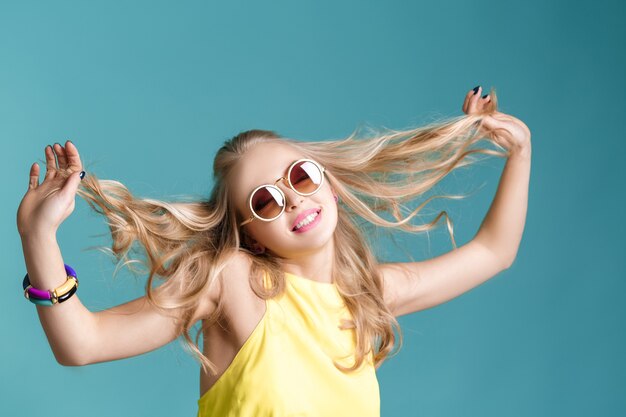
point(308, 219)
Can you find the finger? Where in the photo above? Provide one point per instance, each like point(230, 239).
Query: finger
point(73, 158)
point(61, 158)
point(466, 101)
point(468, 98)
point(469, 94)
point(483, 104)
point(50, 163)
point(484, 99)
point(33, 180)
point(71, 185)
point(473, 101)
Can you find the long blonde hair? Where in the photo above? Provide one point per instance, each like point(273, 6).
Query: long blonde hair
point(188, 243)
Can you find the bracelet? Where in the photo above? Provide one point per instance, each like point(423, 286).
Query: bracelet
point(51, 297)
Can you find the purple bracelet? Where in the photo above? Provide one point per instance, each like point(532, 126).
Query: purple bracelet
point(46, 296)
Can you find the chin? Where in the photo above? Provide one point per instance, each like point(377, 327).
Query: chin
point(310, 240)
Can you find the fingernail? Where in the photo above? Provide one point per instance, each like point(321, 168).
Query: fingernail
point(486, 95)
point(476, 89)
point(82, 174)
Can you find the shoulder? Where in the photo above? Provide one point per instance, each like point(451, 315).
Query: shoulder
point(234, 275)
point(388, 274)
point(237, 270)
point(229, 282)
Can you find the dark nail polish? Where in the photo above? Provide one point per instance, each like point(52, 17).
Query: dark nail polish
point(476, 89)
point(485, 96)
point(82, 174)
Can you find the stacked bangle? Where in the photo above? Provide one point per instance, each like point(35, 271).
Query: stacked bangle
point(51, 297)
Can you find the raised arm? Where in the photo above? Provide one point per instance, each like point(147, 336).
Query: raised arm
point(415, 286)
point(76, 335)
point(69, 326)
point(501, 230)
point(137, 327)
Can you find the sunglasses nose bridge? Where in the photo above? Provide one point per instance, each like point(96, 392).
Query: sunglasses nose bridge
point(286, 186)
point(282, 179)
point(291, 196)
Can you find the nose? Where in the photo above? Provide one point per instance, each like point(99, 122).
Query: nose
point(293, 199)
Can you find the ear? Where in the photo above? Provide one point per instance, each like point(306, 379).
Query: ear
point(252, 244)
point(258, 249)
point(246, 239)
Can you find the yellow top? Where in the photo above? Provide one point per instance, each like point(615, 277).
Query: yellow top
point(285, 367)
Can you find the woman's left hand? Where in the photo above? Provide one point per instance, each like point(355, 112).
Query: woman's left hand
point(508, 131)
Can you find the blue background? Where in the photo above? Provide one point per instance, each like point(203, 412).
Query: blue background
point(149, 90)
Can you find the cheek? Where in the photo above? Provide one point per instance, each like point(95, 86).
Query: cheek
point(326, 196)
point(257, 229)
point(271, 232)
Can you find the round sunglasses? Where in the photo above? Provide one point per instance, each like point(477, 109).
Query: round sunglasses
point(267, 201)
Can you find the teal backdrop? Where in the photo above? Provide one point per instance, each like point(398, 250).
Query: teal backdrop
point(149, 90)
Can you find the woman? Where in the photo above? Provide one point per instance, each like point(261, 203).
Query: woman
point(296, 311)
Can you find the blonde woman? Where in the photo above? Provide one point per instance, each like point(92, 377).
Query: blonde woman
point(296, 312)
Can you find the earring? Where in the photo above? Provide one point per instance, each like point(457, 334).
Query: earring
point(257, 250)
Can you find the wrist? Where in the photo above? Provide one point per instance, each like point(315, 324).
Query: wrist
point(39, 236)
point(523, 151)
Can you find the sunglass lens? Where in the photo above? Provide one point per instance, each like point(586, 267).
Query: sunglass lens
point(267, 202)
point(306, 177)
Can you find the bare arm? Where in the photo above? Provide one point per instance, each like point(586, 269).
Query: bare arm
point(501, 230)
point(415, 286)
point(69, 326)
point(137, 327)
point(76, 335)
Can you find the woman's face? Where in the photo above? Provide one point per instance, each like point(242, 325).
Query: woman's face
point(264, 164)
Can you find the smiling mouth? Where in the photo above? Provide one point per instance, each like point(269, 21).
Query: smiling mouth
point(318, 213)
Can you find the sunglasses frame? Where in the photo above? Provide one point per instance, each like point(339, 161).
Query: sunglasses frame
point(293, 164)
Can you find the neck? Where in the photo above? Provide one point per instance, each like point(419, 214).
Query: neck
point(316, 265)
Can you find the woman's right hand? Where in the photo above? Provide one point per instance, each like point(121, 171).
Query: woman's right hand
point(45, 206)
